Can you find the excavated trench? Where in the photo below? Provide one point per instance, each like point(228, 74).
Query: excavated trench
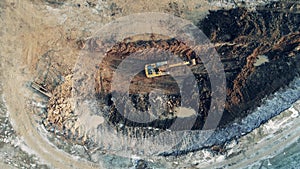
point(141, 86)
point(260, 51)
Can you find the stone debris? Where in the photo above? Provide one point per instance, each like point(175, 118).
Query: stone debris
point(60, 111)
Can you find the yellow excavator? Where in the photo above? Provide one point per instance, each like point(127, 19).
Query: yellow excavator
point(161, 68)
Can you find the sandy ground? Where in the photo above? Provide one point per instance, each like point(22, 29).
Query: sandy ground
point(31, 29)
point(26, 37)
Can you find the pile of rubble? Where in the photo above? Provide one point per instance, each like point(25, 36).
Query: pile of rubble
point(60, 111)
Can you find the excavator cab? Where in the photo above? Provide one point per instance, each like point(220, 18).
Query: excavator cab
point(152, 70)
point(161, 68)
